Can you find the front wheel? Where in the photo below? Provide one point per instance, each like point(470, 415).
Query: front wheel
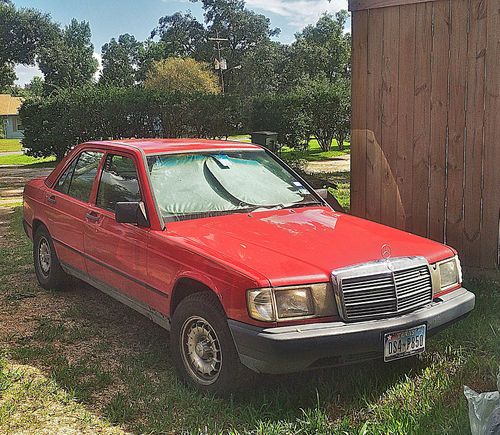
point(203, 349)
point(47, 267)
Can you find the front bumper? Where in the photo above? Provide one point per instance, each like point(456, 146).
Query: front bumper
point(294, 348)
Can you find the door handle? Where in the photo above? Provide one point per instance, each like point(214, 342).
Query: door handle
point(51, 199)
point(92, 217)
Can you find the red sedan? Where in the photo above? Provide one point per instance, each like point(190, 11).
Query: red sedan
point(232, 251)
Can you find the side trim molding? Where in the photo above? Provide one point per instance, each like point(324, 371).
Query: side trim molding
point(145, 310)
point(112, 269)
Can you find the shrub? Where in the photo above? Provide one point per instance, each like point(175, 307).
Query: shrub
point(55, 124)
point(283, 114)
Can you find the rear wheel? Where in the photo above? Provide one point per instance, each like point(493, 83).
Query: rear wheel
point(203, 349)
point(48, 270)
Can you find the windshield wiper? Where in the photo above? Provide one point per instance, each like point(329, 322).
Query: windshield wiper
point(301, 204)
point(284, 206)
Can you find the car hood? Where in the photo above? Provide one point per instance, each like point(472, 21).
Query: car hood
point(304, 245)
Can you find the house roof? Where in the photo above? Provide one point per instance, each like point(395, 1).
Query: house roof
point(9, 105)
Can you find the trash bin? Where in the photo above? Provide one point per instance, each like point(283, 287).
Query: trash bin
point(268, 139)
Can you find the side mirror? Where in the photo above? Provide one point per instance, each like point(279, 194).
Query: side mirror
point(131, 213)
point(329, 199)
point(322, 193)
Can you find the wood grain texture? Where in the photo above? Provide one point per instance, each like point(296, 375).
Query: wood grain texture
point(374, 114)
point(358, 135)
point(406, 98)
point(390, 88)
point(474, 141)
point(456, 124)
point(431, 103)
point(439, 118)
point(422, 120)
point(491, 193)
point(358, 5)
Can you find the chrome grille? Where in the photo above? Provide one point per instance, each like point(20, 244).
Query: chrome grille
point(383, 288)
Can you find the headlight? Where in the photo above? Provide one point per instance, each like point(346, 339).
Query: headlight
point(294, 303)
point(450, 273)
point(285, 303)
point(260, 304)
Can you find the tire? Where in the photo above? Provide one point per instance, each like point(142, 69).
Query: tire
point(48, 270)
point(212, 368)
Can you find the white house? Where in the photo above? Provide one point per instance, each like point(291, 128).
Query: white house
point(9, 114)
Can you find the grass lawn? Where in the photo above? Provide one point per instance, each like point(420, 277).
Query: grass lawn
point(10, 145)
point(21, 159)
point(313, 154)
point(79, 361)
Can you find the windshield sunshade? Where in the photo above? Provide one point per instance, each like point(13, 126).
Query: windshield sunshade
point(204, 184)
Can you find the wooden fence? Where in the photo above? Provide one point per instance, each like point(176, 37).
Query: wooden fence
point(426, 120)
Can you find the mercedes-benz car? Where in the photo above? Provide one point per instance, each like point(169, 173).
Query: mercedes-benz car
point(231, 250)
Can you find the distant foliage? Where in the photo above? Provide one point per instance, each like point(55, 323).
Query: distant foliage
point(177, 74)
point(54, 124)
point(321, 108)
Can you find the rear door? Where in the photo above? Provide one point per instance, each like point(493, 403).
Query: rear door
point(116, 252)
point(67, 204)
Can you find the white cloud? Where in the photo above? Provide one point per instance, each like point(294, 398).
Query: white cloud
point(299, 12)
point(99, 65)
point(25, 73)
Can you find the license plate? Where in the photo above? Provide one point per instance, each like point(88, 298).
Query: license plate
point(401, 344)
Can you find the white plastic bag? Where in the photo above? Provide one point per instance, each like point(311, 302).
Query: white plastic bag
point(484, 410)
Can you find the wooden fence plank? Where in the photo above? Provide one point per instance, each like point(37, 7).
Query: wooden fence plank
point(406, 96)
point(373, 113)
point(476, 69)
point(390, 87)
point(439, 119)
point(456, 124)
point(358, 135)
point(421, 126)
point(358, 5)
point(491, 191)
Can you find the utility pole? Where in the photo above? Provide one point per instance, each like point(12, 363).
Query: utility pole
point(220, 63)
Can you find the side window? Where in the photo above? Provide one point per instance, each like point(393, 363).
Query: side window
point(84, 174)
point(64, 181)
point(119, 182)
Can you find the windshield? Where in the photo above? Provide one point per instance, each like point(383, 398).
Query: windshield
point(213, 183)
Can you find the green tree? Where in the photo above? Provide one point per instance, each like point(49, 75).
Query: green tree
point(120, 59)
point(7, 77)
point(243, 28)
point(35, 88)
point(23, 32)
point(323, 50)
point(327, 106)
point(149, 52)
point(262, 69)
point(69, 60)
point(181, 75)
point(184, 36)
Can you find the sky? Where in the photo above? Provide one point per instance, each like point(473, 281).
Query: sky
point(111, 18)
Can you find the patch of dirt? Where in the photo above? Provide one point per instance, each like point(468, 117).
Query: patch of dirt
point(13, 179)
point(337, 164)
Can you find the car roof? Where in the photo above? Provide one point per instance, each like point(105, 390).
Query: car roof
point(160, 146)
